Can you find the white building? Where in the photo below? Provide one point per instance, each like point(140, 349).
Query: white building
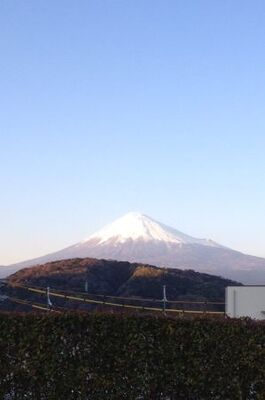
point(245, 301)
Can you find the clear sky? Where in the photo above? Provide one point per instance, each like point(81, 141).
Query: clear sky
point(110, 106)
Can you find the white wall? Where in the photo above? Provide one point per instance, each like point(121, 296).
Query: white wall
point(245, 301)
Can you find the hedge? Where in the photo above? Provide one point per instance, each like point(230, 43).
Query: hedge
point(102, 356)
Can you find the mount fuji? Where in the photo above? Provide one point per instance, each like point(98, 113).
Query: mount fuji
point(139, 238)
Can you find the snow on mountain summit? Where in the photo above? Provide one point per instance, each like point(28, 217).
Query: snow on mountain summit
point(141, 239)
point(136, 226)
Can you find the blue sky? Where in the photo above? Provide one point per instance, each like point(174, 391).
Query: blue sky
point(115, 106)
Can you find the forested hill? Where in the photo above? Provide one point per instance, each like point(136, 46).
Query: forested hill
point(124, 279)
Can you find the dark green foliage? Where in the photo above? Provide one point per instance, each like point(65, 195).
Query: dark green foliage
point(110, 357)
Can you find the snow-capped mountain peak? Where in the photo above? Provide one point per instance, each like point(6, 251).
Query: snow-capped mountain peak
point(139, 238)
point(136, 226)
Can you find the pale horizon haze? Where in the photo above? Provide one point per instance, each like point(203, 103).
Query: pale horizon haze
point(115, 106)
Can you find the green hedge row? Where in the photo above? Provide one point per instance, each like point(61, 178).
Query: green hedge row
point(104, 356)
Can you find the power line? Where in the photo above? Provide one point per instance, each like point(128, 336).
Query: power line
point(30, 304)
point(140, 299)
point(84, 299)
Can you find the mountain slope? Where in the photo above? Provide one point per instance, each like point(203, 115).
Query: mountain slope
point(135, 226)
point(138, 238)
point(123, 279)
point(123, 239)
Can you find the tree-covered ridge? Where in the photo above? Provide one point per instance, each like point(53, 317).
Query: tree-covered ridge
point(117, 278)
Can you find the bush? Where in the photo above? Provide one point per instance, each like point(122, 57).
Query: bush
point(103, 356)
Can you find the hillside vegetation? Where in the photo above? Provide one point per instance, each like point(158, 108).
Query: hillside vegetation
point(81, 356)
point(124, 279)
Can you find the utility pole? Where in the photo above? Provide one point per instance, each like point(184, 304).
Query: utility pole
point(164, 298)
point(49, 303)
